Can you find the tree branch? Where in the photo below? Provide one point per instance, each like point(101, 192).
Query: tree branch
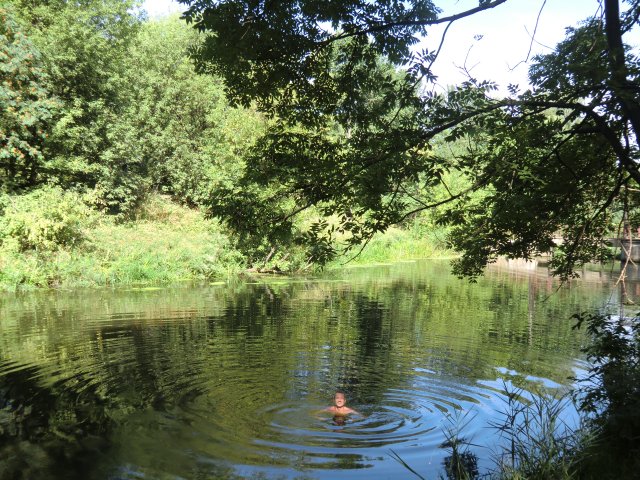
point(625, 90)
point(612, 195)
point(445, 201)
point(533, 37)
point(612, 137)
point(415, 23)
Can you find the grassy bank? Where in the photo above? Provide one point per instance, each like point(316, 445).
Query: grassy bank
point(52, 239)
point(397, 245)
point(167, 243)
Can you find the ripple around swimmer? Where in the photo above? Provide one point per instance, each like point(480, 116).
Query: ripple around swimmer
point(299, 432)
point(202, 419)
point(194, 410)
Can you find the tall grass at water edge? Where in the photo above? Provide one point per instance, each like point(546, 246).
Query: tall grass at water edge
point(536, 442)
point(166, 243)
point(399, 244)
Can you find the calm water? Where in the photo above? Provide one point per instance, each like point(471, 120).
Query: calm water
point(225, 381)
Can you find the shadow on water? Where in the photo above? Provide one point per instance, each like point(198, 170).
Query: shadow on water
point(49, 429)
point(225, 381)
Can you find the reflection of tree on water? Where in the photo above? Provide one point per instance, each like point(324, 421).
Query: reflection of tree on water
point(46, 431)
point(364, 369)
point(262, 345)
point(461, 465)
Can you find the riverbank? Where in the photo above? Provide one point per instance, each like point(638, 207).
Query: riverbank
point(167, 243)
point(396, 245)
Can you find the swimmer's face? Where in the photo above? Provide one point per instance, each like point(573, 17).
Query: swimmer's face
point(339, 400)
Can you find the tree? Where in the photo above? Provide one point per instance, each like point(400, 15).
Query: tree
point(84, 46)
point(26, 108)
point(561, 157)
point(177, 122)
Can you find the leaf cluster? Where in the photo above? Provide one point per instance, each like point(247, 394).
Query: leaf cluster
point(26, 106)
point(44, 221)
point(269, 50)
point(611, 392)
point(100, 102)
point(356, 121)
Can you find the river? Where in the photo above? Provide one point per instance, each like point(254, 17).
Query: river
point(227, 380)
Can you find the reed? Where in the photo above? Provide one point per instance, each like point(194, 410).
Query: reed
point(539, 443)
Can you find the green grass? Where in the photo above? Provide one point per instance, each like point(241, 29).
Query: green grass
point(396, 245)
point(166, 244)
point(52, 239)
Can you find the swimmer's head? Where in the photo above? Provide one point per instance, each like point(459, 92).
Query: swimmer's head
point(339, 399)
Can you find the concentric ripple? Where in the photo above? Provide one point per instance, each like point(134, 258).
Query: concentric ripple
point(244, 431)
point(163, 384)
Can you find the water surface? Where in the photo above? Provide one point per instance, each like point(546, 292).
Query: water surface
point(226, 381)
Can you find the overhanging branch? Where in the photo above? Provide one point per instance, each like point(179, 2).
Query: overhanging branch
point(414, 23)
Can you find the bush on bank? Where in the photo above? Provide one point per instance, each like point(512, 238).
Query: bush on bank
point(55, 238)
point(51, 238)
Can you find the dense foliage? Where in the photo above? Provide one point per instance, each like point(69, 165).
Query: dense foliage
point(611, 393)
point(82, 145)
point(26, 107)
point(353, 139)
point(349, 138)
point(177, 123)
point(101, 102)
point(102, 115)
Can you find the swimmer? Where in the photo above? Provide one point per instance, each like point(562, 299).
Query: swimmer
point(339, 407)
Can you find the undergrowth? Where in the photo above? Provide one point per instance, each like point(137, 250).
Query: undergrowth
point(53, 238)
point(165, 243)
point(397, 244)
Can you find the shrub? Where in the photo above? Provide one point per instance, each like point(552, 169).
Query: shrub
point(611, 392)
point(44, 220)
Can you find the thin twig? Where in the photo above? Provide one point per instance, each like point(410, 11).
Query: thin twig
point(535, 29)
point(397, 457)
point(414, 23)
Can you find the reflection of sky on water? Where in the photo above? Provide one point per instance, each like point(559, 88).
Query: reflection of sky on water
point(230, 376)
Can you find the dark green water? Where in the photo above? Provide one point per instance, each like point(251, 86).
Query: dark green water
point(225, 381)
